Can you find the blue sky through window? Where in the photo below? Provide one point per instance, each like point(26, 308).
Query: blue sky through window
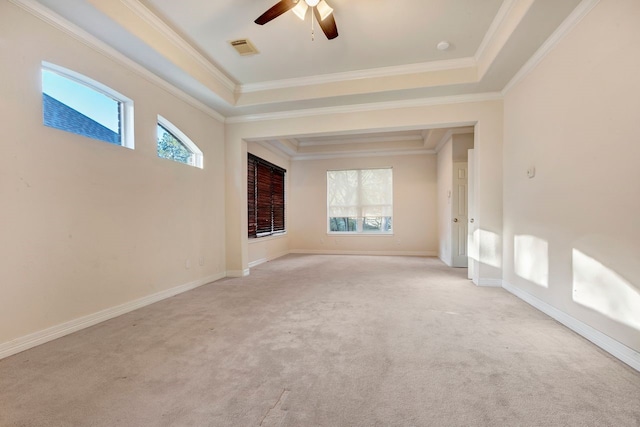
point(88, 101)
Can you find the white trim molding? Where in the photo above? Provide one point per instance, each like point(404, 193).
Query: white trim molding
point(267, 259)
point(257, 262)
point(498, 20)
point(37, 338)
point(449, 134)
point(400, 70)
point(375, 253)
point(558, 35)
point(360, 153)
point(159, 25)
point(48, 16)
point(605, 342)
point(238, 273)
point(489, 283)
point(374, 106)
point(505, 24)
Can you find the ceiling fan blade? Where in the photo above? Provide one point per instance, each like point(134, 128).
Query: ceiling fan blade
point(277, 10)
point(328, 25)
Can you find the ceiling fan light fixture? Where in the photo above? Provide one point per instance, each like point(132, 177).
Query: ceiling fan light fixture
point(301, 9)
point(312, 3)
point(324, 9)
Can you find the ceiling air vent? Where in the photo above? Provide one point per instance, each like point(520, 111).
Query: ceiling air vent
point(244, 47)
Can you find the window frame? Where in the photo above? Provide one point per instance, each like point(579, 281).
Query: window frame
point(198, 156)
point(127, 139)
point(359, 219)
point(274, 227)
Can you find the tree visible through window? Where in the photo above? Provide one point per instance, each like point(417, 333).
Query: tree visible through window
point(170, 147)
point(175, 145)
point(360, 201)
point(265, 197)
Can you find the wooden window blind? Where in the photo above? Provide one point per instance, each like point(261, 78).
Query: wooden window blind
point(265, 197)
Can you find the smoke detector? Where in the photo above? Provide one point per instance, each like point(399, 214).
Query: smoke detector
point(244, 47)
point(443, 45)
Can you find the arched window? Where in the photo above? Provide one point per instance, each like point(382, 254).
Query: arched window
point(174, 145)
point(75, 103)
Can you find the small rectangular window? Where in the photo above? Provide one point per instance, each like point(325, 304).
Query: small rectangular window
point(74, 103)
point(360, 201)
point(265, 197)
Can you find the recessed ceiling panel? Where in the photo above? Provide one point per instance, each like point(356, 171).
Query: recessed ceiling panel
point(373, 34)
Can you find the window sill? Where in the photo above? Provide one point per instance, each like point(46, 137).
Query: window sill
point(266, 238)
point(338, 233)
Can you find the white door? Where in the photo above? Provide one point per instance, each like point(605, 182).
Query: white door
point(459, 215)
point(472, 243)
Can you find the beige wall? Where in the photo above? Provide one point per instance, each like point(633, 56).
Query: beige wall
point(487, 115)
point(571, 236)
point(461, 146)
point(445, 180)
point(267, 248)
point(86, 225)
point(414, 207)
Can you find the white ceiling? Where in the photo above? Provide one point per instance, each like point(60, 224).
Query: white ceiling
point(373, 34)
point(385, 53)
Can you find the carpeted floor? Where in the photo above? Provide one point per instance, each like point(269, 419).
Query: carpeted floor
point(324, 341)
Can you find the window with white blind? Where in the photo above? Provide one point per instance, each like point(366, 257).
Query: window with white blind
point(360, 201)
point(265, 197)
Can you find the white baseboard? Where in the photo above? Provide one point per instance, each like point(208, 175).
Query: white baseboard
point(257, 262)
point(267, 259)
point(381, 253)
point(238, 273)
point(29, 341)
point(605, 342)
point(490, 283)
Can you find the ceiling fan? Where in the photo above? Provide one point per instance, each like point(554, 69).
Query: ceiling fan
point(322, 12)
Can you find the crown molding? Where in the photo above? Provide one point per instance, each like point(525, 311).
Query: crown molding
point(400, 70)
point(360, 140)
point(280, 149)
point(507, 21)
point(448, 135)
point(558, 35)
point(425, 136)
point(500, 17)
point(158, 24)
point(374, 106)
point(443, 141)
point(48, 16)
point(361, 153)
point(277, 148)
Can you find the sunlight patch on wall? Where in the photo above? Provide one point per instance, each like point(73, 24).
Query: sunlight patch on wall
point(489, 251)
point(472, 249)
point(597, 287)
point(531, 259)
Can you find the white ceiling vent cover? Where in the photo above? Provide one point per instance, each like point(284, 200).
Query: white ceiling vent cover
point(244, 47)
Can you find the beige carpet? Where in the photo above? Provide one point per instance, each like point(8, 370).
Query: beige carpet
point(324, 341)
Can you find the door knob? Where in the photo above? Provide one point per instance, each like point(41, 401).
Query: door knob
point(455, 219)
point(472, 220)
